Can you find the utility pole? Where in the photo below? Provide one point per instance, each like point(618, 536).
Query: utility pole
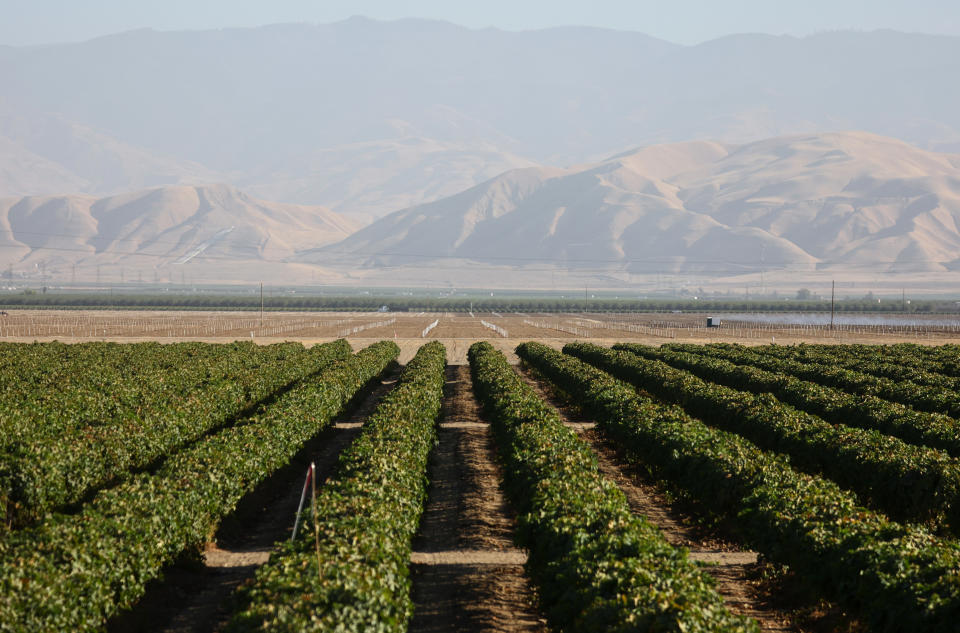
point(903, 299)
point(833, 288)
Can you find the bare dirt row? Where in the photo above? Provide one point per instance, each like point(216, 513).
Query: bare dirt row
point(196, 594)
point(734, 569)
point(467, 574)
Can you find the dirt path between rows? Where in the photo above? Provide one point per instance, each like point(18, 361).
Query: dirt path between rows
point(467, 574)
point(197, 595)
point(732, 567)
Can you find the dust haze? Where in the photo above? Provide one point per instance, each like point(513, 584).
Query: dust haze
point(420, 152)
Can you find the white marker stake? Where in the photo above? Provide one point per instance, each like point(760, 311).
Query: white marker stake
point(303, 498)
point(316, 526)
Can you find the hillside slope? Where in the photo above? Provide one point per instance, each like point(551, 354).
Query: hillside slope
point(166, 232)
point(851, 200)
point(367, 116)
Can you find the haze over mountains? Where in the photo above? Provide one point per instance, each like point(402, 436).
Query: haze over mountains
point(834, 202)
point(157, 233)
point(265, 109)
point(850, 201)
point(364, 118)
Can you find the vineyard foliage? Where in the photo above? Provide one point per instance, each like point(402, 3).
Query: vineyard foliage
point(349, 571)
point(923, 398)
point(942, 359)
point(834, 405)
point(895, 577)
point(89, 423)
point(908, 482)
point(874, 364)
point(841, 463)
point(71, 572)
point(598, 566)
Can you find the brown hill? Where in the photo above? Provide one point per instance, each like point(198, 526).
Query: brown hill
point(819, 201)
point(210, 232)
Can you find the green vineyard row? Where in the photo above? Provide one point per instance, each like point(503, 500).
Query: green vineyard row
point(350, 572)
point(598, 566)
point(71, 572)
point(50, 389)
point(897, 578)
point(49, 466)
point(906, 481)
point(856, 382)
point(925, 375)
point(834, 405)
point(941, 359)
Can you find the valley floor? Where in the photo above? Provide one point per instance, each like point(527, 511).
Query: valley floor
point(455, 330)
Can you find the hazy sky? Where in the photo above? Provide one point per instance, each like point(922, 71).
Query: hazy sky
point(683, 21)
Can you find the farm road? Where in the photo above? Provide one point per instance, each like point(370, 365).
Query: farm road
point(467, 574)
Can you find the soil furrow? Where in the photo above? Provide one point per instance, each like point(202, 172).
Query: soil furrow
point(196, 595)
point(732, 567)
point(467, 574)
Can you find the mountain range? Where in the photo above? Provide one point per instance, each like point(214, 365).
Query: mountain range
point(168, 233)
point(832, 203)
point(416, 151)
point(367, 117)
